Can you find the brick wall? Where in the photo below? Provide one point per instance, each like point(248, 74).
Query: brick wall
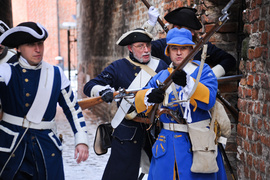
point(51, 14)
point(253, 129)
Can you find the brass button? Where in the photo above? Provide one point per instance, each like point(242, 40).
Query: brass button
point(136, 74)
point(27, 94)
point(26, 80)
point(26, 104)
point(13, 155)
point(33, 137)
point(24, 70)
point(135, 142)
point(53, 154)
point(134, 67)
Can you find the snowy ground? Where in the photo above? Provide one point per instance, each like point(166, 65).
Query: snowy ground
point(94, 166)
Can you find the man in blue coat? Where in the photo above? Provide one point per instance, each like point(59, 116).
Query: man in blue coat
point(131, 72)
point(184, 17)
point(188, 105)
point(29, 91)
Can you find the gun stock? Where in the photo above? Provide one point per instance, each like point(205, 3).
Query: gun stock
point(92, 101)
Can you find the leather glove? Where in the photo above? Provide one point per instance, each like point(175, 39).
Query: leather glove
point(180, 78)
point(156, 96)
point(153, 15)
point(107, 95)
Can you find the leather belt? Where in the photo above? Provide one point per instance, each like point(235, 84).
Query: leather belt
point(19, 121)
point(175, 127)
point(142, 120)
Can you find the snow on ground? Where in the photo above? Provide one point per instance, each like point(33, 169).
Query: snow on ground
point(94, 166)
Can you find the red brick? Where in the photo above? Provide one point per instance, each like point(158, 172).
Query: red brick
point(250, 54)
point(250, 134)
point(259, 124)
point(250, 80)
point(250, 107)
point(264, 110)
point(258, 52)
point(259, 149)
point(262, 25)
point(262, 166)
point(254, 94)
point(255, 27)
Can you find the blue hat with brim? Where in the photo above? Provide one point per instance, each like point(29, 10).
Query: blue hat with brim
point(178, 37)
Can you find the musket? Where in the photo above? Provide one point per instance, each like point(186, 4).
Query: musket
point(194, 51)
point(234, 112)
point(228, 105)
point(164, 27)
point(230, 78)
point(92, 101)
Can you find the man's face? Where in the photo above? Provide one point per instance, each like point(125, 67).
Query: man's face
point(141, 51)
point(32, 52)
point(178, 53)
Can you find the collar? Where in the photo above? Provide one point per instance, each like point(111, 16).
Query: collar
point(24, 64)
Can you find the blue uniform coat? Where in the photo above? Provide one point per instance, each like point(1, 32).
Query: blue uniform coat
point(174, 147)
point(18, 88)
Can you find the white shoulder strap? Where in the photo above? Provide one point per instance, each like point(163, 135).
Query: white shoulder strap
point(140, 81)
point(41, 101)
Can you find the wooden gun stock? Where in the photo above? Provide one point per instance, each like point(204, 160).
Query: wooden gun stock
point(92, 101)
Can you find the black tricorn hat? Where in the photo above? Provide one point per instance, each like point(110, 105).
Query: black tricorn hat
point(3, 27)
point(26, 32)
point(136, 35)
point(184, 16)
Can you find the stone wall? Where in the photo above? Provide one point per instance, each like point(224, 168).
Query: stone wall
point(5, 12)
point(253, 129)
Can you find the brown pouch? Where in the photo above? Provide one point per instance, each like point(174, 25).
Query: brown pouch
point(103, 138)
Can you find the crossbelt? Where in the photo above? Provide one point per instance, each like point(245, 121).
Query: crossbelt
point(19, 121)
point(175, 127)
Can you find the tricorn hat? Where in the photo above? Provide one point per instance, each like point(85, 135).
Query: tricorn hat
point(178, 37)
point(27, 32)
point(136, 35)
point(184, 16)
point(3, 27)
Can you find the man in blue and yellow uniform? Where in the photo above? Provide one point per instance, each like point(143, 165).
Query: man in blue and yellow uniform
point(172, 152)
point(132, 72)
point(29, 91)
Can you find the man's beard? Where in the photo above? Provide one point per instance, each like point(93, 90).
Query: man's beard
point(141, 59)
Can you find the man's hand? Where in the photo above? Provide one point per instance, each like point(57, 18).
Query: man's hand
point(153, 15)
point(180, 78)
point(156, 96)
point(81, 153)
point(107, 94)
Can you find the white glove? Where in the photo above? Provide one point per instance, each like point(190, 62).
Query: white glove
point(153, 15)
